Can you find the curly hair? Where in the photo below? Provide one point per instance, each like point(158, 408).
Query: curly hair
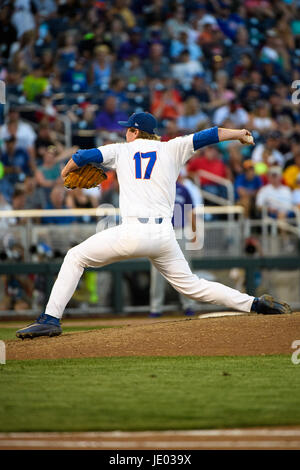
point(145, 135)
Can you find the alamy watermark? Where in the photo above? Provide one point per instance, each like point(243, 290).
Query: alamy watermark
point(2, 353)
point(188, 223)
point(295, 356)
point(2, 92)
point(296, 94)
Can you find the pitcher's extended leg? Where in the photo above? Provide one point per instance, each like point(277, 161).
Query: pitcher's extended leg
point(173, 266)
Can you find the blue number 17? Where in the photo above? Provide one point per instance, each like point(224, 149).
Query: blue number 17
point(138, 164)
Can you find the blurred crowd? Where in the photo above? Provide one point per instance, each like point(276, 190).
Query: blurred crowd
point(192, 64)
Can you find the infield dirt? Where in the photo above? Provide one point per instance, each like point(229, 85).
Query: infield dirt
point(244, 335)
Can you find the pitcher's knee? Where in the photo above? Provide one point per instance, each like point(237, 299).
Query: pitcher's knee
point(73, 256)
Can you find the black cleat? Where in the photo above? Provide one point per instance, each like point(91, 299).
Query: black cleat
point(45, 325)
point(266, 305)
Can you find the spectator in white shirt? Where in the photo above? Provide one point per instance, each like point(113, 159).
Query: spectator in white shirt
point(296, 192)
point(186, 69)
point(268, 152)
point(23, 132)
point(275, 196)
point(232, 111)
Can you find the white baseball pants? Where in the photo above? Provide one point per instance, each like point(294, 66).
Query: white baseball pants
point(134, 239)
point(158, 282)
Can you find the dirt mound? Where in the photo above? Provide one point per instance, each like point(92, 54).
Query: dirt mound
point(241, 335)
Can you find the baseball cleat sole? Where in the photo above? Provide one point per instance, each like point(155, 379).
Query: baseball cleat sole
point(37, 335)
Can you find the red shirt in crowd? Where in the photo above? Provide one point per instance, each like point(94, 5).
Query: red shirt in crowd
point(215, 166)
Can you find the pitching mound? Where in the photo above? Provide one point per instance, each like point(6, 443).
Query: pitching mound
point(225, 336)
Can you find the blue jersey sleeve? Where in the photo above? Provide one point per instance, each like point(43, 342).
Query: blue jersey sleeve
point(82, 157)
point(206, 137)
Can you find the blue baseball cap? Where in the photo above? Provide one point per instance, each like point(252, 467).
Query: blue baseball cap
point(143, 121)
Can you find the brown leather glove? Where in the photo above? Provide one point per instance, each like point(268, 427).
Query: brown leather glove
point(87, 177)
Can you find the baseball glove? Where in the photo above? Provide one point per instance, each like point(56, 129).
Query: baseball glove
point(87, 177)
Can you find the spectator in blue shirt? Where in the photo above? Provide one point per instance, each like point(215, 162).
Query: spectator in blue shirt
point(58, 200)
point(246, 186)
point(228, 22)
point(16, 162)
point(77, 76)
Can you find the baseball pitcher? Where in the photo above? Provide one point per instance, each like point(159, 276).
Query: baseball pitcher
point(147, 170)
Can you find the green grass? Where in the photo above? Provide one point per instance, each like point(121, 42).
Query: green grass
point(10, 333)
point(131, 393)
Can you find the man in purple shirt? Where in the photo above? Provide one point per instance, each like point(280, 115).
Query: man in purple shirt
point(108, 118)
point(134, 46)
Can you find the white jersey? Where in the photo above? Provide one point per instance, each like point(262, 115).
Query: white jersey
point(147, 171)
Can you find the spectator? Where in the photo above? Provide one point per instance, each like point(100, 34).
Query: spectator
point(48, 65)
point(134, 46)
point(241, 45)
point(156, 13)
point(200, 89)
point(268, 151)
point(176, 24)
point(82, 199)
point(117, 35)
point(133, 71)
point(101, 69)
point(68, 51)
point(18, 201)
point(186, 69)
point(35, 83)
point(202, 17)
point(296, 192)
point(209, 160)
point(45, 138)
point(233, 111)
point(207, 37)
point(9, 33)
point(246, 186)
point(157, 65)
point(171, 130)
point(58, 200)
point(77, 76)
point(35, 197)
point(291, 173)
point(121, 9)
point(183, 43)
point(166, 102)
point(243, 69)
point(111, 196)
point(118, 89)
point(79, 198)
point(107, 119)
point(16, 162)
point(275, 197)
point(228, 22)
point(261, 119)
point(222, 95)
point(48, 174)
point(23, 18)
point(23, 132)
point(193, 119)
